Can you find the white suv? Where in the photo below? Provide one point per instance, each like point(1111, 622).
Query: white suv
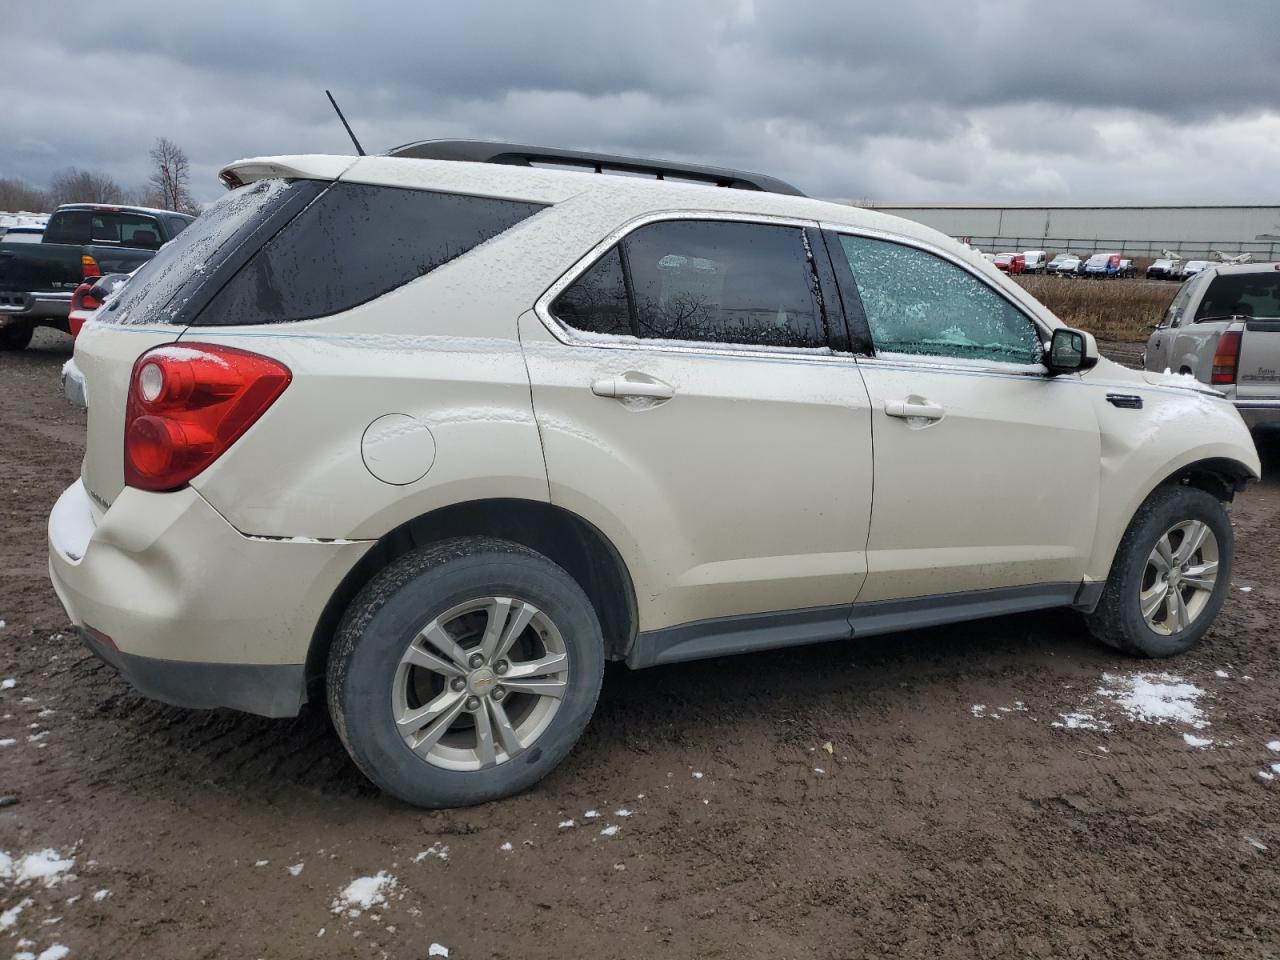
point(436, 438)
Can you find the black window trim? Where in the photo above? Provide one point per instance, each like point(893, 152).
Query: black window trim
point(832, 313)
point(860, 330)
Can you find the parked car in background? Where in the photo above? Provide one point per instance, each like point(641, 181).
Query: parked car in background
point(1010, 263)
point(1164, 268)
point(1126, 268)
point(91, 295)
point(1035, 260)
point(1102, 266)
point(1069, 266)
point(1056, 263)
point(1193, 267)
point(21, 234)
point(82, 241)
point(1223, 328)
point(428, 442)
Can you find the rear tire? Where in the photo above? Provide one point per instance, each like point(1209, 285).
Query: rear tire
point(1170, 575)
point(16, 336)
point(465, 672)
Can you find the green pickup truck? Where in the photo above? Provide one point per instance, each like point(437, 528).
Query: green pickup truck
point(81, 241)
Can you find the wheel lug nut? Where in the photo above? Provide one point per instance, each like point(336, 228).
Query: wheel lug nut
point(476, 661)
point(502, 667)
point(458, 683)
point(472, 703)
point(498, 693)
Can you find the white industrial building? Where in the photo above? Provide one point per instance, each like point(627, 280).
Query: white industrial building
point(1139, 229)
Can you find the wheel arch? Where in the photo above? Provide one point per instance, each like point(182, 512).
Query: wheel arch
point(558, 534)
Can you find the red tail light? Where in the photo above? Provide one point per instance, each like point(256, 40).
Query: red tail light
point(1226, 358)
point(84, 300)
point(90, 268)
point(187, 404)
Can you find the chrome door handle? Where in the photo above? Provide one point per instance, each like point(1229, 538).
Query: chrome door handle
point(914, 410)
point(619, 387)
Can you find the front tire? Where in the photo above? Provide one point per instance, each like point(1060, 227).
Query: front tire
point(1170, 575)
point(465, 672)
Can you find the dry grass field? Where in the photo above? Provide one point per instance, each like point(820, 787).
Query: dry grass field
point(1109, 309)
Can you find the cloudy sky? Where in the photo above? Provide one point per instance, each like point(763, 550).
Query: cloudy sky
point(903, 100)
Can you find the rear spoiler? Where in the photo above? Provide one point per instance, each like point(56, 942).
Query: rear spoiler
point(316, 166)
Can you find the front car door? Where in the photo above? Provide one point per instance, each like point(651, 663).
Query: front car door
point(986, 468)
point(691, 407)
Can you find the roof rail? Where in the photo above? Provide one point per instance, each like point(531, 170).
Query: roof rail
point(522, 155)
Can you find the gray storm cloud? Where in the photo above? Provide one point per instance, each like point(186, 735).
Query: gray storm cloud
point(910, 100)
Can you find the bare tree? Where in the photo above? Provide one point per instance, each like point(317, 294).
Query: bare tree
point(15, 195)
point(172, 175)
point(83, 186)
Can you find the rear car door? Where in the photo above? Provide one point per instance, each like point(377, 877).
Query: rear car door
point(691, 407)
point(986, 468)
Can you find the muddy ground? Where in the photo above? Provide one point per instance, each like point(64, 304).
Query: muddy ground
point(940, 825)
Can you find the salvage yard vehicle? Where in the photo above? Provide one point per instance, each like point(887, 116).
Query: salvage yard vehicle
point(1034, 260)
point(1223, 328)
point(1070, 266)
point(82, 241)
point(1057, 262)
point(1164, 269)
point(1010, 263)
point(1103, 266)
point(434, 435)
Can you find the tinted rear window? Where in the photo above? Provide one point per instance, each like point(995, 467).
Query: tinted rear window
point(354, 243)
point(126, 229)
point(1242, 295)
point(165, 283)
point(68, 226)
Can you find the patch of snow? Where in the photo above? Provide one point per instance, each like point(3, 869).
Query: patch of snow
point(609, 831)
point(506, 847)
point(437, 950)
point(623, 812)
point(294, 870)
point(697, 774)
point(8, 683)
point(1263, 775)
point(56, 952)
point(1156, 698)
point(591, 815)
point(818, 770)
point(567, 824)
point(101, 895)
point(1274, 746)
point(44, 866)
point(363, 893)
point(1192, 740)
point(10, 916)
point(7, 742)
point(437, 850)
point(1081, 721)
point(1256, 844)
point(1222, 675)
point(262, 863)
point(1245, 589)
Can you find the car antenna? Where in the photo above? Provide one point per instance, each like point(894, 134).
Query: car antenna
point(338, 110)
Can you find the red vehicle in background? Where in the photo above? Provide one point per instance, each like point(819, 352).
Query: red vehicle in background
point(88, 297)
point(1011, 262)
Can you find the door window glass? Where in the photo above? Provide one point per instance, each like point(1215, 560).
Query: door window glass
point(917, 303)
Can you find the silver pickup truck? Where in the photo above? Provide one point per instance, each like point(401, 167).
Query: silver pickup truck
point(1223, 328)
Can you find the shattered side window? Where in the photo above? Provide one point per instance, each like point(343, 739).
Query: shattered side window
point(917, 303)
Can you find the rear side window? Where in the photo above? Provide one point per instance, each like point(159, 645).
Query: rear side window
point(68, 226)
point(917, 303)
point(355, 243)
point(704, 281)
point(126, 229)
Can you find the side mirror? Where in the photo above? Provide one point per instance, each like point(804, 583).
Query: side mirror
point(1071, 351)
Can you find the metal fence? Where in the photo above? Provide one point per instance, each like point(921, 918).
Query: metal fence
point(1262, 250)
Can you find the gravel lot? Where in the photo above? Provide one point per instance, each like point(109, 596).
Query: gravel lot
point(999, 788)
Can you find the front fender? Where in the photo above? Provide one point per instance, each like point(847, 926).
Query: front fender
point(1142, 449)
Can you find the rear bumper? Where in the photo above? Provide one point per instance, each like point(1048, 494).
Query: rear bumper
point(1259, 413)
point(49, 307)
point(196, 613)
point(269, 690)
